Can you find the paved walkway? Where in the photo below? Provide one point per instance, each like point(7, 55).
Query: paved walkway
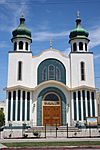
point(48, 140)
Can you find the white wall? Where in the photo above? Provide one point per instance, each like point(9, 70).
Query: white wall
point(30, 66)
point(75, 59)
point(50, 84)
point(50, 54)
point(27, 75)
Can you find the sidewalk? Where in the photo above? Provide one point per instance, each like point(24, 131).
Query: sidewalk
point(48, 140)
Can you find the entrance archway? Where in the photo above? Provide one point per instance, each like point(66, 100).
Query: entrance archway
point(51, 106)
point(62, 101)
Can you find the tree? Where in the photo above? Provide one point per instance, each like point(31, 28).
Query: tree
point(2, 118)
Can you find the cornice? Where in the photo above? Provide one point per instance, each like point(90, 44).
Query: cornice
point(50, 82)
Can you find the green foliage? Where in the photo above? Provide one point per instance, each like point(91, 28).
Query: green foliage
point(55, 143)
point(2, 118)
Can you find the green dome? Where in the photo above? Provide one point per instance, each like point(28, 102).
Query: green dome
point(78, 31)
point(21, 31)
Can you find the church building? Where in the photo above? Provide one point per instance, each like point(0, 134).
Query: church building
point(50, 88)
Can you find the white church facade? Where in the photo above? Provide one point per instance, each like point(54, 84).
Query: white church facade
point(50, 88)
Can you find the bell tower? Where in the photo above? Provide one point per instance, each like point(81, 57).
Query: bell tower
point(79, 37)
point(21, 37)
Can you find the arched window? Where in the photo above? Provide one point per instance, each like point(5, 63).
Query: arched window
point(51, 69)
point(51, 97)
point(74, 47)
point(80, 46)
point(51, 72)
point(82, 65)
point(44, 74)
point(85, 46)
point(26, 45)
point(20, 45)
point(58, 74)
point(15, 46)
point(20, 70)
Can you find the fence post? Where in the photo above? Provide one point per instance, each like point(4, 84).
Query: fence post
point(89, 130)
point(45, 130)
point(67, 129)
point(56, 130)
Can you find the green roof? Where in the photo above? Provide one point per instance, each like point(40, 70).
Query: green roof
point(21, 31)
point(78, 31)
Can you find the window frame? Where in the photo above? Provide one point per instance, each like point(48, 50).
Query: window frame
point(26, 46)
point(81, 46)
point(20, 45)
point(74, 47)
point(58, 77)
point(15, 46)
point(82, 70)
point(44, 74)
point(49, 73)
point(86, 47)
point(19, 70)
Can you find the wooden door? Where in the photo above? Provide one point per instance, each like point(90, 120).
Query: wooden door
point(52, 115)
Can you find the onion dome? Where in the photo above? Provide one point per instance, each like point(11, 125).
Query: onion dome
point(78, 32)
point(21, 31)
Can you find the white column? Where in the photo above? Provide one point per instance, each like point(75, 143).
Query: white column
point(23, 45)
point(77, 106)
point(90, 104)
point(81, 106)
point(6, 111)
point(16, 109)
point(29, 47)
point(83, 46)
point(17, 45)
point(25, 106)
point(95, 104)
point(11, 113)
point(30, 106)
point(77, 46)
point(20, 105)
point(72, 103)
point(86, 103)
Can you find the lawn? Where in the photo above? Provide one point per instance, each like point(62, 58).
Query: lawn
point(43, 144)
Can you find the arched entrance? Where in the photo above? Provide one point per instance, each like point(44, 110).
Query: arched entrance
point(51, 106)
point(54, 95)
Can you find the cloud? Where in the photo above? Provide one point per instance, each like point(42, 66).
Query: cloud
point(11, 18)
point(67, 51)
point(94, 37)
point(3, 1)
point(97, 56)
point(3, 44)
point(45, 36)
point(42, 1)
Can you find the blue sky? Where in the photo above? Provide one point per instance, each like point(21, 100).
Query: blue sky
point(48, 19)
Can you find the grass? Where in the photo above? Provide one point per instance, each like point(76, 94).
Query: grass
point(43, 144)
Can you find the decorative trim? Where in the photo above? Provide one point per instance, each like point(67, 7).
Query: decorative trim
point(49, 82)
point(39, 104)
point(20, 51)
point(54, 50)
point(78, 52)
